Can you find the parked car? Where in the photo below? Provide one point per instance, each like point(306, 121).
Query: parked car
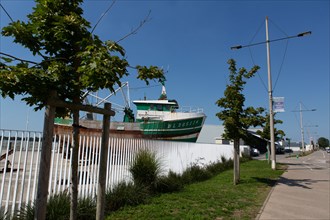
point(279, 150)
point(254, 152)
point(328, 150)
point(288, 151)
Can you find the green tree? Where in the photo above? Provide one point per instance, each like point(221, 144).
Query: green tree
point(265, 132)
point(323, 142)
point(73, 60)
point(237, 119)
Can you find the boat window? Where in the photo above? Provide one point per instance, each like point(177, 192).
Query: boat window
point(152, 107)
point(167, 107)
point(160, 107)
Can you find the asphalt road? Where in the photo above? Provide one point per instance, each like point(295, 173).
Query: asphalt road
point(303, 191)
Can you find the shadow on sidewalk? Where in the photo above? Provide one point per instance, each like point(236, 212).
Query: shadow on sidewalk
point(303, 183)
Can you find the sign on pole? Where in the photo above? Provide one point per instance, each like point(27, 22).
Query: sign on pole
point(278, 104)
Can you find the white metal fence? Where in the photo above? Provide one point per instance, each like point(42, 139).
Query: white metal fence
point(20, 157)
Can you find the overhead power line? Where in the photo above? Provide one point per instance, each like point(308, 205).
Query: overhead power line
point(3, 8)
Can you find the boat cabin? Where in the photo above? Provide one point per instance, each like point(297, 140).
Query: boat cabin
point(156, 105)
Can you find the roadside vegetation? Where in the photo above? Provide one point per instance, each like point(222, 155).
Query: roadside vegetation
point(215, 198)
point(200, 192)
point(301, 154)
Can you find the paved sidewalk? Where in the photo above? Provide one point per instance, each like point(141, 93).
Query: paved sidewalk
point(303, 191)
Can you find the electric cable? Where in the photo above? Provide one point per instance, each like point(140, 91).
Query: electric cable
point(6, 13)
point(281, 66)
point(251, 55)
point(284, 55)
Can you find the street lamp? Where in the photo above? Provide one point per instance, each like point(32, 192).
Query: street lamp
point(301, 125)
point(270, 90)
point(263, 42)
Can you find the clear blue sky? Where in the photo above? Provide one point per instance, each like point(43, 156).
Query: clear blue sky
point(192, 39)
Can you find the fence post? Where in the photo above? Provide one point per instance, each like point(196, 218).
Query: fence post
point(103, 165)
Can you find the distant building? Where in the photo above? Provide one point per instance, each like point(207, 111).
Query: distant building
point(212, 134)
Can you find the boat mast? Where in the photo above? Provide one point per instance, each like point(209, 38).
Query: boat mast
point(163, 96)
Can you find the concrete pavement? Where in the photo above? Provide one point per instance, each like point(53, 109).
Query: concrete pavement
point(303, 191)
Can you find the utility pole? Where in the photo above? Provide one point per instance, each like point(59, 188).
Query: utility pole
point(302, 125)
point(270, 94)
point(270, 89)
point(302, 130)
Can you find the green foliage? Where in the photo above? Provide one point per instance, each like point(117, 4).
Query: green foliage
point(235, 118)
point(216, 198)
point(152, 72)
point(26, 212)
point(265, 133)
point(224, 164)
point(146, 187)
point(145, 168)
point(125, 194)
point(4, 215)
point(196, 172)
point(173, 182)
point(58, 207)
point(86, 208)
point(229, 163)
point(73, 58)
point(323, 142)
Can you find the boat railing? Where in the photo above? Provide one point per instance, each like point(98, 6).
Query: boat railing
point(189, 109)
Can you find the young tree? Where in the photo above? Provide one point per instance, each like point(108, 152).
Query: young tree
point(265, 133)
point(237, 119)
point(73, 60)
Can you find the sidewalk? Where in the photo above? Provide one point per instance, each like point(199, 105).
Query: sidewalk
point(303, 191)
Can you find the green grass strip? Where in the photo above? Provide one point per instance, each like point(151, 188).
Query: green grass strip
point(216, 198)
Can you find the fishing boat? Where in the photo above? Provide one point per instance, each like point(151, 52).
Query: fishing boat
point(160, 119)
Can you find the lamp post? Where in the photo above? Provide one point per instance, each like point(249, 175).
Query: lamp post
point(270, 89)
point(301, 125)
point(311, 134)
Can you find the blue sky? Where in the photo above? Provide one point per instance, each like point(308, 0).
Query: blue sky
point(192, 40)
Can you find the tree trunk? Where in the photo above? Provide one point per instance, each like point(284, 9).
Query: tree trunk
point(44, 166)
point(103, 165)
point(74, 166)
point(236, 162)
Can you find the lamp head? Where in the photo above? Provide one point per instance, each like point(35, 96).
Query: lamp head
point(304, 34)
point(236, 47)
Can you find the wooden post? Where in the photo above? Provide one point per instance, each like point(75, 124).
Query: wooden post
point(45, 161)
point(74, 166)
point(103, 165)
point(45, 157)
